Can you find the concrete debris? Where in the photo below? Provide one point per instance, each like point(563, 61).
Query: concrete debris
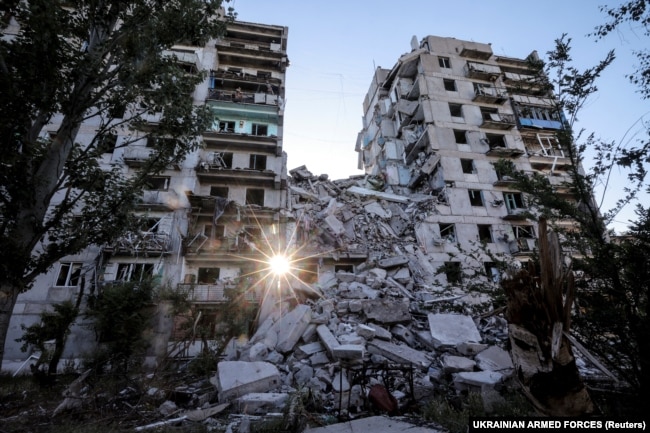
point(237, 378)
point(453, 329)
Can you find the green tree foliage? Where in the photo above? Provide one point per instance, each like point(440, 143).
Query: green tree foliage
point(612, 288)
point(99, 63)
point(120, 314)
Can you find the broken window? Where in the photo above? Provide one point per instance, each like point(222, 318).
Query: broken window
point(444, 62)
point(134, 271)
point(453, 272)
point(467, 165)
point(460, 136)
point(485, 233)
point(260, 129)
point(257, 162)
point(161, 142)
point(219, 191)
point(450, 85)
point(106, 143)
point(492, 272)
point(475, 197)
point(69, 274)
point(448, 232)
point(488, 113)
point(494, 140)
point(523, 232)
point(117, 111)
point(456, 110)
point(149, 225)
point(344, 268)
point(226, 126)
point(514, 200)
point(255, 196)
point(208, 275)
point(157, 183)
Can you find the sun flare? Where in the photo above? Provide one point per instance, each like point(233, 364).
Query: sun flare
point(279, 264)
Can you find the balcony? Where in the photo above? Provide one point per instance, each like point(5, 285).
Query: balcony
point(159, 200)
point(484, 93)
point(515, 214)
point(475, 53)
point(481, 71)
point(242, 97)
point(523, 246)
point(527, 122)
point(498, 121)
point(141, 244)
point(212, 293)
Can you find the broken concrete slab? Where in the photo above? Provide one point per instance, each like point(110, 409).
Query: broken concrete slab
point(377, 194)
point(366, 332)
point(392, 262)
point(476, 379)
point(349, 351)
point(374, 208)
point(468, 348)
point(381, 333)
point(375, 424)
point(400, 354)
point(328, 339)
point(389, 311)
point(455, 364)
point(260, 403)
point(236, 378)
point(494, 358)
point(291, 327)
point(452, 329)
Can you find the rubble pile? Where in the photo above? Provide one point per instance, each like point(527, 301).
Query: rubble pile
point(386, 325)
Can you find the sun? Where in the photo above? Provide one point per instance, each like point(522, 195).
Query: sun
point(279, 264)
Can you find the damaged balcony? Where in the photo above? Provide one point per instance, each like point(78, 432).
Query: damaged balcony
point(219, 94)
point(496, 120)
point(417, 140)
point(523, 246)
point(212, 293)
point(141, 244)
point(498, 147)
point(486, 93)
point(245, 53)
point(159, 201)
point(476, 53)
point(481, 71)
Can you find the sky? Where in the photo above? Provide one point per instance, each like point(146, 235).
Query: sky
point(334, 46)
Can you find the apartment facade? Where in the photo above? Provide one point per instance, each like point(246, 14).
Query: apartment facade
point(437, 123)
point(206, 222)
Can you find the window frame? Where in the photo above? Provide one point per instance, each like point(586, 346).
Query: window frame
point(72, 274)
point(476, 197)
point(448, 232)
point(454, 108)
point(485, 233)
point(471, 169)
point(447, 83)
point(444, 62)
point(164, 180)
point(129, 270)
point(260, 129)
point(250, 197)
point(460, 134)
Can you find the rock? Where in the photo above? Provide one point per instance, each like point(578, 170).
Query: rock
point(454, 364)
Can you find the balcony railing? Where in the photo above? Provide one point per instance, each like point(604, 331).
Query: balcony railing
point(482, 71)
point(143, 242)
point(212, 293)
point(242, 97)
point(489, 94)
point(498, 121)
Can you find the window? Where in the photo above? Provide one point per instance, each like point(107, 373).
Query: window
point(450, 85)
point(157, 183)
point(134, 271)
point(485, 233)
point(448, 232)
point(257, 162)
point(456, 110)
point(117, 111)
point(226, 126)
point(219, 191)
point(161, 142)
point(475, 197)
point(492, 272)
point(494, 140)
point(523, 232)
point(460, 136)
point(149, 225)
point(468, 166)
point(255, 196)
point(260, 129)
point(490, 114)
point(514, 200)
point(208, 275)
point(453, 272)
point(69, 274)
point(444, 62)
point(106, 143)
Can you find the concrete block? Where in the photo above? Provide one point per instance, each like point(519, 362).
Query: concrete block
point(260, 403)
point(452, 329)
point(352, 338)
point(355, 306)
point(291, 327)
point(349, 351)
point(386, 311)
point(381, 333)
point(392, 262)
point(455, 364)
point(236, 378)
point(468, 348)
point(374, 208)
point(335, 226)
point(319, 358)
point(402, 333)
point(327, 338)
point(366, 332)
point(399, 354)
point(494, 358)
point(477, 379)
point(340, 383)
point(307, 350)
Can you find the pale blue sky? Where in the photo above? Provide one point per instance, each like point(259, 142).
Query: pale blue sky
point(335, 45)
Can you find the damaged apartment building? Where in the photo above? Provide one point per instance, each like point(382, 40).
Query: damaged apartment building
point(436, 123)
point(205, 220)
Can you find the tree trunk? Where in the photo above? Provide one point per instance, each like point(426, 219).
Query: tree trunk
point(539, 303)
point(8, 297)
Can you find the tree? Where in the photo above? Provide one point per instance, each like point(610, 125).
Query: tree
point(612, 288)
point(99, 62)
